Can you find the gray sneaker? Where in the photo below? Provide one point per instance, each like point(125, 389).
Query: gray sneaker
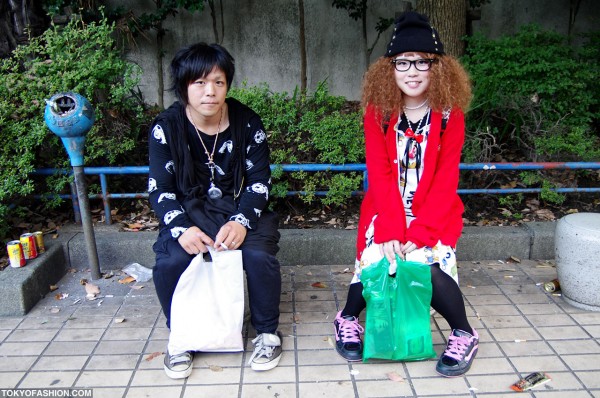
point(267, 351)
point(179, 366)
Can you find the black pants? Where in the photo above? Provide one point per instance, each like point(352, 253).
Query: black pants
point(263, 278)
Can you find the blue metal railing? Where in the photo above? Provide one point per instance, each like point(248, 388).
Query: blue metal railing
point(105, 195)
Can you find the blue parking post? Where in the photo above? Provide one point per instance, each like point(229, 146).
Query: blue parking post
point(70, 116)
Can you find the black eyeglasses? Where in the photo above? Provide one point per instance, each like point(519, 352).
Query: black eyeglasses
point(402, 65)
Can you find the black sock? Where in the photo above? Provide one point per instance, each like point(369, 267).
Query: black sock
point(355, 302)
point(447, 300)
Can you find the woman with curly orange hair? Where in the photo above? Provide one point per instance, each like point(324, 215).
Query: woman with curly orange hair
point(414, 99)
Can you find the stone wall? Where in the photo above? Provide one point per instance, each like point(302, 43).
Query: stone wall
point(263, 37)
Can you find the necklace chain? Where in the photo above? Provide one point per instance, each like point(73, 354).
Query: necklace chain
point(412, 108)
point(420, 122)
point(211, 163)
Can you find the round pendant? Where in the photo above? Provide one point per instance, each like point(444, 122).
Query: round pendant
point(214, 192)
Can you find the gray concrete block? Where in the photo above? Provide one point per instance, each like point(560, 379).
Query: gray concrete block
point(493, 243)
point(21, 288)
point(542, 240)
point(577, 251)
point(317, 246)
point(115, 249)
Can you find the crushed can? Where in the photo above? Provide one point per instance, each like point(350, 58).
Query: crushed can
point(552, 287)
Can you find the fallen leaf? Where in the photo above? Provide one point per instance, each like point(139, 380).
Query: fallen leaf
point(90, 288)
point(61, 296)
point(54, 310)
point(319, 285)
point(393, 376)
point(515, 259)
point(137, 287)
point(119, 320)
point(545, 214)
point(53, 288)
point(135, 225)
point(216, 368)
point(153, 355)
point(126, 280)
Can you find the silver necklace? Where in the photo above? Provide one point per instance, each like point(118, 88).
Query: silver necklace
point(412, 133)
point(213, 192)
point(412, 108)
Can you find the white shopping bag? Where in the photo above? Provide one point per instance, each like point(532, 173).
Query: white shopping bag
point(207, 311)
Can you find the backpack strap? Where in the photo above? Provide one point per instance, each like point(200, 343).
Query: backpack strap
point(445, 117)
point(385, 124)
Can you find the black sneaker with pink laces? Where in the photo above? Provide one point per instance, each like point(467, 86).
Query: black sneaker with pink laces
point(347, 337)
point(459, 355)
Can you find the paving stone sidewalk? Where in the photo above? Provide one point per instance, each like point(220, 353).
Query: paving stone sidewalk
point(115, 344)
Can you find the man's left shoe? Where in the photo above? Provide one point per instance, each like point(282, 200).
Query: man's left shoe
point(267, 351)
point(459, 355)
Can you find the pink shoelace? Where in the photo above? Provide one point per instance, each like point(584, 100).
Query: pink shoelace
point(457, 346)
point(349, 330)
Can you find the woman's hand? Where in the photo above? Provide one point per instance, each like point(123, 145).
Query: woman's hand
point(408, 247)
point(194, 241)
point(390, 249)
point(230, 236)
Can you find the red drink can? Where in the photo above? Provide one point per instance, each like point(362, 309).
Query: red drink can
point(39, 242)
point(15, 254)
point(29, 246)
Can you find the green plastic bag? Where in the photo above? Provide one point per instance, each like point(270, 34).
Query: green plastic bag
point(398, 320)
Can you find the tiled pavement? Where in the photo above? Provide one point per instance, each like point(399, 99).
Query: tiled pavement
point(80, 343)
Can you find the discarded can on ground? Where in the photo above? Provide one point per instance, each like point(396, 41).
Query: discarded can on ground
point(552, 286)
point(16, 257)
point(29, 247)
point(39, 242)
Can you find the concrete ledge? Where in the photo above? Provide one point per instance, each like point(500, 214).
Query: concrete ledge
point(21, 288)
point(542, 240)
point(321, 246)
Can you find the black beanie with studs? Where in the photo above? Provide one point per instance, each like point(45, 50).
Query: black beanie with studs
point(414, 33)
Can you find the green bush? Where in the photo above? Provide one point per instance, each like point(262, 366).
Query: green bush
point(532, 85)
point(81, 58)
point(309, 128)
point(535, 99)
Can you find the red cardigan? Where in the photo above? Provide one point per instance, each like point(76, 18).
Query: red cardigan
point(437, 207)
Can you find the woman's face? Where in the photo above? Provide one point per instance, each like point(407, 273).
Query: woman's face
point(206, 95)
point(413, 82)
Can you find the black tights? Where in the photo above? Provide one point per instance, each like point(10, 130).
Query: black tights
point(446, 299)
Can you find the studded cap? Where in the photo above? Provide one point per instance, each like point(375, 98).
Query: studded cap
point(413, 32)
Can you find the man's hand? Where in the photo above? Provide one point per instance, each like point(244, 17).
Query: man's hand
point(230, 236)
point(194, 241)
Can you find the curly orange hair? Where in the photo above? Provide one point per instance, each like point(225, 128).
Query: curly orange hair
point(450, 86)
